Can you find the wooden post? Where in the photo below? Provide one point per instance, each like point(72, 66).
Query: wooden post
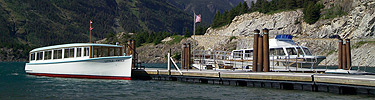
point(348, 54)
point(343, 56)
point(266, 56)
point(128, 48)
point(340, 54)
point(188, 55)
point(255, 50)
point(260, 54)
point(183, 56)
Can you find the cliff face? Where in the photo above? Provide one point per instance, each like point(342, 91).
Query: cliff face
point(358, 23)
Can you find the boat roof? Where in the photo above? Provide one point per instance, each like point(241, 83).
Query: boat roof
point(72, 45)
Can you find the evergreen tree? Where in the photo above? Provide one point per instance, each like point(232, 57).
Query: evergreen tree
point(312, 13)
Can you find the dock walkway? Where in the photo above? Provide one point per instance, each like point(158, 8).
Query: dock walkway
point(337, 83)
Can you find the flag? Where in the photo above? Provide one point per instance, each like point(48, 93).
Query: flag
point(198, 18)
point(90, 25)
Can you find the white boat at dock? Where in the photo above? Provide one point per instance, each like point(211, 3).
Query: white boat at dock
point(283, 51)
point(80, 60)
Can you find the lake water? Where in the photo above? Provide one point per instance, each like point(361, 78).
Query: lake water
point(16, 84)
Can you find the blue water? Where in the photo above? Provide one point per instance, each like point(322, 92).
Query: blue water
point(15, 84)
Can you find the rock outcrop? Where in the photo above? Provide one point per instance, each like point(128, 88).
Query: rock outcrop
point(358, 23)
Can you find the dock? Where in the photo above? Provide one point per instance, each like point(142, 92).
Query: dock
point(318, 82)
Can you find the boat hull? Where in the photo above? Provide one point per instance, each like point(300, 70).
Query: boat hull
point(95, 68)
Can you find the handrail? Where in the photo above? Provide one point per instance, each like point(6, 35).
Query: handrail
point(175, 65)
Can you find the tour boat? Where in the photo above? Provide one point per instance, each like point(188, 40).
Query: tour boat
point(284, 52)
point(80, 60)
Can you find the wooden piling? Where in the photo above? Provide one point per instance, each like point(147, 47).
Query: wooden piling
point(128, 48)
point(343, 55)
point(255, 50)
point(266, 57)
point(340, 54)
point(348, 54)
point(183, 54)
point(188, 56)
point(134, 55)
point(260, 54)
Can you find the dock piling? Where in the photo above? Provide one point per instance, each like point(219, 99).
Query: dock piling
point(340, 54)
point(348, 54)
point(266, 56)
point(255, 50)
point(343, 55)
point(260, 54)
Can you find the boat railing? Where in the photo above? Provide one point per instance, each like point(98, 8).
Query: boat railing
point(244, 60)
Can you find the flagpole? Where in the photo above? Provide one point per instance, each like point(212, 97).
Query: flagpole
point(90, 33)
point(194, 27)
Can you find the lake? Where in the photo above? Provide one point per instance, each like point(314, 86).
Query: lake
point(16, 84)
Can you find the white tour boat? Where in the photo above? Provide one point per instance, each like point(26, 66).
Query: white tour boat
point(80, 60)
point(284, 52)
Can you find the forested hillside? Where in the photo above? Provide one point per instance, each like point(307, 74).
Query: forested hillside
point(207, 8)
point(26, 24)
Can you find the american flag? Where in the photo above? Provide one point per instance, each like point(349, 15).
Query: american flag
point(90, 25)
point(197, 18)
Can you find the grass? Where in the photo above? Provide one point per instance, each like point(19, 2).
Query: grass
point(360, 43)
point(176, 39)
point(233, 37)
point(331, 52)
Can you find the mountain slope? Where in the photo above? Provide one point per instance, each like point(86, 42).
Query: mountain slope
point(207, 8)
point(26, 24)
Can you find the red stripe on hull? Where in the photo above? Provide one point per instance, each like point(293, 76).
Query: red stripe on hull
point(81, 76)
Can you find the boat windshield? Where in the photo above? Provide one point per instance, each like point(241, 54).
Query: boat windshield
point(307, 51)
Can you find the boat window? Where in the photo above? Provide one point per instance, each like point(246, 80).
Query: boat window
point(277, 51)
point(300, 52)
point(291, 51)
point(272, 52)
point(237, 54)
point(86, 51)
point(32, 56)
point(307, 51)
point(39, 56)
point(105, 52)
point(68, 52)
point(111, 52)
point(57, 54)
point(79, 52)
point(117, 52)
point(248, 53)
point(48, 55)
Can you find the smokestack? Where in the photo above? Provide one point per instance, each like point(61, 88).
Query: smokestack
point(266, 56)
point(255, 50)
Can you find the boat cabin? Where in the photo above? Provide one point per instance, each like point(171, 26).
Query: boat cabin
point(282, 45)
point(75, 51)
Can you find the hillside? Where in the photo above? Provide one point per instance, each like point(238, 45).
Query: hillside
point(26, 24)
point(207, 8)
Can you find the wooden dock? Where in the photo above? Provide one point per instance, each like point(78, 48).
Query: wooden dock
point(335, 83)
